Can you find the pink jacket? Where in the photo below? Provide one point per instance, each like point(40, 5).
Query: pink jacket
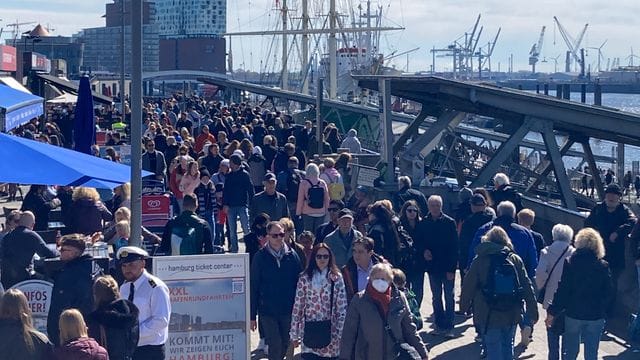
point(302, 207)
point(188, 183)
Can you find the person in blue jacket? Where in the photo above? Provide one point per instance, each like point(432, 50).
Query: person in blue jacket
point(523, 245)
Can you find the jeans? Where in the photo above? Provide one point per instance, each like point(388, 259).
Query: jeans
point(416, 281)
point(498, 343)
point(276, 330)
point(218, 238)
point(443, 314)
point(587, 330)
point(208, 215)
point(236, 212)
point(553, 343)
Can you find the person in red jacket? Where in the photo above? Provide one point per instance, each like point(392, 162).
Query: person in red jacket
point(74, 341)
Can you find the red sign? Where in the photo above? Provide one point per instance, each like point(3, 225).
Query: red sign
point(8, 60)
point(156, 205)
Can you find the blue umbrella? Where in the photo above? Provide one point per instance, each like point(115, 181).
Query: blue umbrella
point(84, 129)
point(33, 162)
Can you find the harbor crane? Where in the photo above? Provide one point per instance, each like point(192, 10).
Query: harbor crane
point(16, 29)
point(536, 50)
point(572, 44)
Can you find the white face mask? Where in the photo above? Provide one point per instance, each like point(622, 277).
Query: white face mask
point(380, 285)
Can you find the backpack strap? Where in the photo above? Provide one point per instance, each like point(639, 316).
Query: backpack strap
point(554, 266)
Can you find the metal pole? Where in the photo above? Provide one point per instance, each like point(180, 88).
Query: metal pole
point(285, 70)
point(122, 59)
point(319, 94)
point(136, 121)
point(386, 129)
point(305, 47)
point(333, 66)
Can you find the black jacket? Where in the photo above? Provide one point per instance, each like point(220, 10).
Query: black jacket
point(16, 253)
point(385, 241)
point(238, 189)
point(467, 231)
point(72, 288)
point(115, 327)
point(408, 193)
point(212, 163)
point(584, 300)
point(442, 240)
point(273, 284)
point(621, 220)
point(40, 206)
point(507, 193)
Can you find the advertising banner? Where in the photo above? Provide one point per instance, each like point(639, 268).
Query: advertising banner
point(8, 58)
point(209, 306)
point(38, 295)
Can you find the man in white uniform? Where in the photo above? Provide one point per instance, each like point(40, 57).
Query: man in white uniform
point(151, 296)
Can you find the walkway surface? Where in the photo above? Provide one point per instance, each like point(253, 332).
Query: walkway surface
point(463, 345)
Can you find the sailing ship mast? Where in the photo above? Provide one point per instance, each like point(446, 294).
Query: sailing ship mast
point(305, 32)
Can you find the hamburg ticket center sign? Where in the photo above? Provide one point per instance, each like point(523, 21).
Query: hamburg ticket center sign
point(209, 306)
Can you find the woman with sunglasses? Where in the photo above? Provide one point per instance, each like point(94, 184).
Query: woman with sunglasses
point(320, 296)
point(410, 217)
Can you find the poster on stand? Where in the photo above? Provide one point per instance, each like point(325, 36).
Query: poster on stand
point(38, 293)
point(209, 306)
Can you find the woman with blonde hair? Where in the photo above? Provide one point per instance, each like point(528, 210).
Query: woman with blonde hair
point(191, 179)
point(88, 212)
point(75, 343)
point(583, 303)
point(122, 196)
point(19, 340)
point(313, 199)
point(114, 323)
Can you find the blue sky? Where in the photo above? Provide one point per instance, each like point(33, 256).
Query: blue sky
point(428, 23)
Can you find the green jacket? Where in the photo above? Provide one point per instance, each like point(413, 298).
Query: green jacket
point(475, 281)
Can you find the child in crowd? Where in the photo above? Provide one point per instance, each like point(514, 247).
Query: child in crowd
point(123, 231)
point(400, 281)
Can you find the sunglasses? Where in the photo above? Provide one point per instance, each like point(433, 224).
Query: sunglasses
point(277, 235)
point(322, 256)
point(412, 210)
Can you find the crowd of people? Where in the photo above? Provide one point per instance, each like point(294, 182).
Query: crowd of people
point(336, 269)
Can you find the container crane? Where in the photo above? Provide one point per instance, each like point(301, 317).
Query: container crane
point(535, 51)
point(572, 45)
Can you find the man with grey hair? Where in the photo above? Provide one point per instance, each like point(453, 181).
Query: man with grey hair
point(520, 236)
point(406, 193)
point(440, 251)
point(503, 191)
point(17, 250)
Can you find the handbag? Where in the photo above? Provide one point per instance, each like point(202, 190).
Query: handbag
point(317, 334)
point(543, 291)
point(401, 350)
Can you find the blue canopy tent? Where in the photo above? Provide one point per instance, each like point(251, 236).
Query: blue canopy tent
point(32, 162)
point(17, 107)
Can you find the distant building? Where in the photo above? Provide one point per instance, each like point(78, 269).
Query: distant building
point(190, 34)
point(102, 45)
point(182, 19)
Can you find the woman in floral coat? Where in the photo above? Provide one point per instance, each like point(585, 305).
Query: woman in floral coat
point(313, 302)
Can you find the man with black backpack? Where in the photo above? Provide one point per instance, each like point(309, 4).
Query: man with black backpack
point(288, 182)
point(496, 285)
point(187, 234)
